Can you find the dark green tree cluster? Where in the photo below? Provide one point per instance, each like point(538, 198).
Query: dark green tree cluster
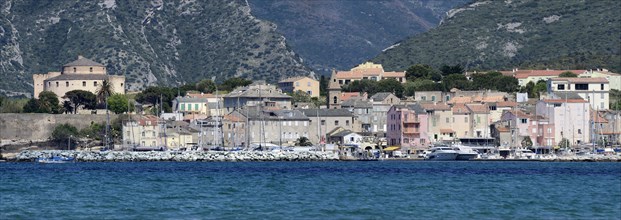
point(47, 103)
point(61, 135)
point(371, 87)
point(80, 98)
point(534, 90)
point(615, 99)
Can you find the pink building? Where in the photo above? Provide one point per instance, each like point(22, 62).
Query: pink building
point(537, 127)
point(407, 127)
point(570, 118)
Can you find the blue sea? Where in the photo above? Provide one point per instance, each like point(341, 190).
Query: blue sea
point(311, 190)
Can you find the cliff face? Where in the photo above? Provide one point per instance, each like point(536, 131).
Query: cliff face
point(150, 42)
point(484, 35)
point(341, 34)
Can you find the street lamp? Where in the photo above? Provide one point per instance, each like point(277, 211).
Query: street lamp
point(69, 142)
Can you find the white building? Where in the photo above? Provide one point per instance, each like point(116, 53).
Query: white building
point(594, 90)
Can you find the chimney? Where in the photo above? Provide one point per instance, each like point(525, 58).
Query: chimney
point(80, 57)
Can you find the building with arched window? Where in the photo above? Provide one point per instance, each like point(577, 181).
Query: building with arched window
point(81, 74)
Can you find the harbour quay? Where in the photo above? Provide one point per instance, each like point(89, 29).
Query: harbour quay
point(180, 156)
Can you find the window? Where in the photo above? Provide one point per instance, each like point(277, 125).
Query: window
point(346, 122)
point(423, 98)
point(465, 119)
point(579, 131)
point(74, 69)
point(340, 81)
point(297, 83)
point(351, 139)
point(143, 133)
point(95, 83)
point(83, 83)
point(549, 130)
point(422, 141)
point(189, 107)
point(334, 100)
point(196, 107)
point(336, 123)
point(602, 87)
point(524, 120)
point(323, 122)
point(182, 107)
point(433, 98)
point(560, 87)
point(448, 98)
point(478, 119)
point(308, 84)
point(582, 86)
point(433, 122)
point(492, 107)
point(121, 84)
point(91, 69)
point(602, 95)
point(309, 92)
point(67, 84)
point(447, 120)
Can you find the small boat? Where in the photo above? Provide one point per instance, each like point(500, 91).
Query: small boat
point(465, 152)
point(55, 159)
point(441, 152)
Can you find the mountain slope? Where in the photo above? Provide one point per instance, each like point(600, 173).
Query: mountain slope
point(341, 34)
point(571, 34)
point(151, 42)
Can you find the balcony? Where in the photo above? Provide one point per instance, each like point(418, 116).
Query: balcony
point(411, 131)
point(411, 120)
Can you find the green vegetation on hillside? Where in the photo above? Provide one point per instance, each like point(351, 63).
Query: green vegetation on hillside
point(497, 35)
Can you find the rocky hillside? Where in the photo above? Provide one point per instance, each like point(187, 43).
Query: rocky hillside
point(151, 42)
point(341, 34)
point(569, 34)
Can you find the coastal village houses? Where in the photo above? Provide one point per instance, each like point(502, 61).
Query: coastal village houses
point(80, 74)
point(301, 83)
point(258, 93)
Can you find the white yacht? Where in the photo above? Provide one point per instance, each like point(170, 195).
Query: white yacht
point(465, 152)
point(441, 153)
point(524, 154)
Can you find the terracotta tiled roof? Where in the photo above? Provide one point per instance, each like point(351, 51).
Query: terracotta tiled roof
point(582, 80)
point(394, 74)
point(461, 99)
point(348, 95)
point(478, 108)
point(506, 104)
point(460, 109)
point(435, 106)
point(496, 98)
point(502, 129)
point(597, 118)
point(523, 74)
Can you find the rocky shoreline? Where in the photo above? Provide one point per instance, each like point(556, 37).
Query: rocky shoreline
point(180, 156)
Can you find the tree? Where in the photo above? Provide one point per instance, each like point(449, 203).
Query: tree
point(153, 94)
point(323, 85)
point(419, 71)
point(564, 143)
point(390, 85)
point(104, 91)
point(67, 107)
point(81, 98)
point(62, 132)
point(32, 106)
point(119, 103)
point(206, 86)
point(448, 70)
point(485, 80)
point(303, 141)
point(540, 87)
point(527, 142)
point(2, 98)
point(507, 84)
point(568, 74)
point(11, 105)
point(48, 103)
point(95, 131)
point(300, 96)
point(362, 86)
point(232, 83)
point(458, 81)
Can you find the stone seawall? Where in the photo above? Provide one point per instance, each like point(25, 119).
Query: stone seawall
point(39, 127)
point(120, 156)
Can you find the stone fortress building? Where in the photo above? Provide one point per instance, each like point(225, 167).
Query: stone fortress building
point(81, 74)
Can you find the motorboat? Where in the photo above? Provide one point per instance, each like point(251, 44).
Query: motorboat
point(441, 152)
point(465, 152)
point(524, 154)
point(55, 159)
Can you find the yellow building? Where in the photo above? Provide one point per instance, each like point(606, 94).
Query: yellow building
point(301, 83)
point(81, 74)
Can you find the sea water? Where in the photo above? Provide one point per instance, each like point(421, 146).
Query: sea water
point(311, 190)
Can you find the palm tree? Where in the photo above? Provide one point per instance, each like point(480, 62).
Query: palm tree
point(104, 91)
point(67, 107)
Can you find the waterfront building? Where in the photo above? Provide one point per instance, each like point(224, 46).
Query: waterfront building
point(80, 74)
point(323, 121)
point(570, 118)
point(439, 126)
point(524, 124)
point(594, 90)
point(608, 127)
point(407, 127)
point(143, 131)
point(273, 126)
point(300, 83)
point(198, 105)
point(256, 94)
